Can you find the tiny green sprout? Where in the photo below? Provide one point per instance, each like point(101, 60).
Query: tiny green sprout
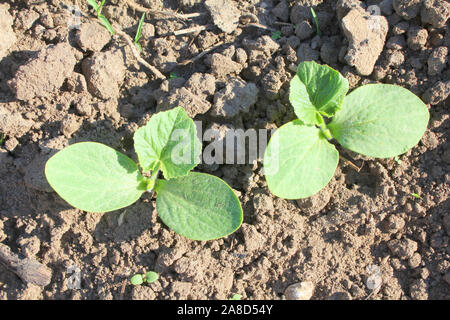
point(139, 32)
point(151, 277)
point(397, 160)
point(416, 195)
point(98, 10)
point(236, 296)
point(2, 138)
point(316, 21)
point(148, 277)
point(173, 75)
point(276, 35)
point(137, 280)
point(96, 178)
point(375, 120)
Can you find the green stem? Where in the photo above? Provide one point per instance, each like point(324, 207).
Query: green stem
point(152, 181)
point(323, 127)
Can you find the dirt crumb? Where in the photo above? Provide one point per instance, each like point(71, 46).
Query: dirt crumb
point(7, 35)
point(45, 74)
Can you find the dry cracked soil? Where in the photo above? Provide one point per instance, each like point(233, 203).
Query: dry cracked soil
point(65, 79)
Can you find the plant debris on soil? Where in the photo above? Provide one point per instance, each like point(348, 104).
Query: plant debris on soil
point(65, 79)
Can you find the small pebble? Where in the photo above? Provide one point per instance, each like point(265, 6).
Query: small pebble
point(299, 291)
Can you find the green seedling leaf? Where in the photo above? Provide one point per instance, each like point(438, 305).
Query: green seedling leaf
point(276, 35)
point(169, 141)
point(316, 22)
point(198, 206)
point(299, 161)
point(94, 177)
point(236, 296)
point(415, 195)
point(380, 120)
point(2, 138)
point(139, 32)
point(317, 90)
point(137, 280)
point(173, 75)
point(94, 4)
point(151, 277)
point(106, 23)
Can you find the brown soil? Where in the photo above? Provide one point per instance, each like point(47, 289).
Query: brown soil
point(60, 86)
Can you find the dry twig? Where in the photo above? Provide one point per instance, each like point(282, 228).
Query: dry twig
point(139, 8)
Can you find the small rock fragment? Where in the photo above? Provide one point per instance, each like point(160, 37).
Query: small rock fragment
point(253, 239)
point(281, 11)
point(417, 37)
point(404, 249)
point(104, 72)
point(299, 291)
point(77, 83)
point(225, 15)
point(92, 36)
point(236, 97)
point(407, 9)
point(437, 61)
point(304, 30)
point(314, 204)
point(418, 290)
point(201, 84)
point(437, 93)
point(13, 124)
point(306, 53)
point(366, 34)
point(222, 66)
point(25, 19)
point(435, 12)
point(7, 35)
point(192, 103)
point(69, 125)
point(34, 174)
point(45, 74)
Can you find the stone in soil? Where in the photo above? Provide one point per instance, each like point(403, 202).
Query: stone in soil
point(201, 84)
point(299, 291)
point(221, 65)
point(437, 93)
point(44, 75)
point(435, 12)
point(366, 35)
point(407, 9)
point(437, 61)
point(104, 72)
point(225, 15)
point(404, 249)
point(237, 96)
point(281, 11)
point(314, 204)
point(13, 124)
point(7, 35)
point(92, 36)
point(417, 37)
point(192, 103)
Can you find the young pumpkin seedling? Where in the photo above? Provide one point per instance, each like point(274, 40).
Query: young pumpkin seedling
point(100, 16)
point(376, 120)
point(96, 178)
point(148, 277)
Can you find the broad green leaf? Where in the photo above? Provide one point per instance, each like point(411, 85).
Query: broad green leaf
point(380, 120)
point(93, 177)
point(198, 206)
point(316, 90)
point(169, 140)
point(299, 161)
